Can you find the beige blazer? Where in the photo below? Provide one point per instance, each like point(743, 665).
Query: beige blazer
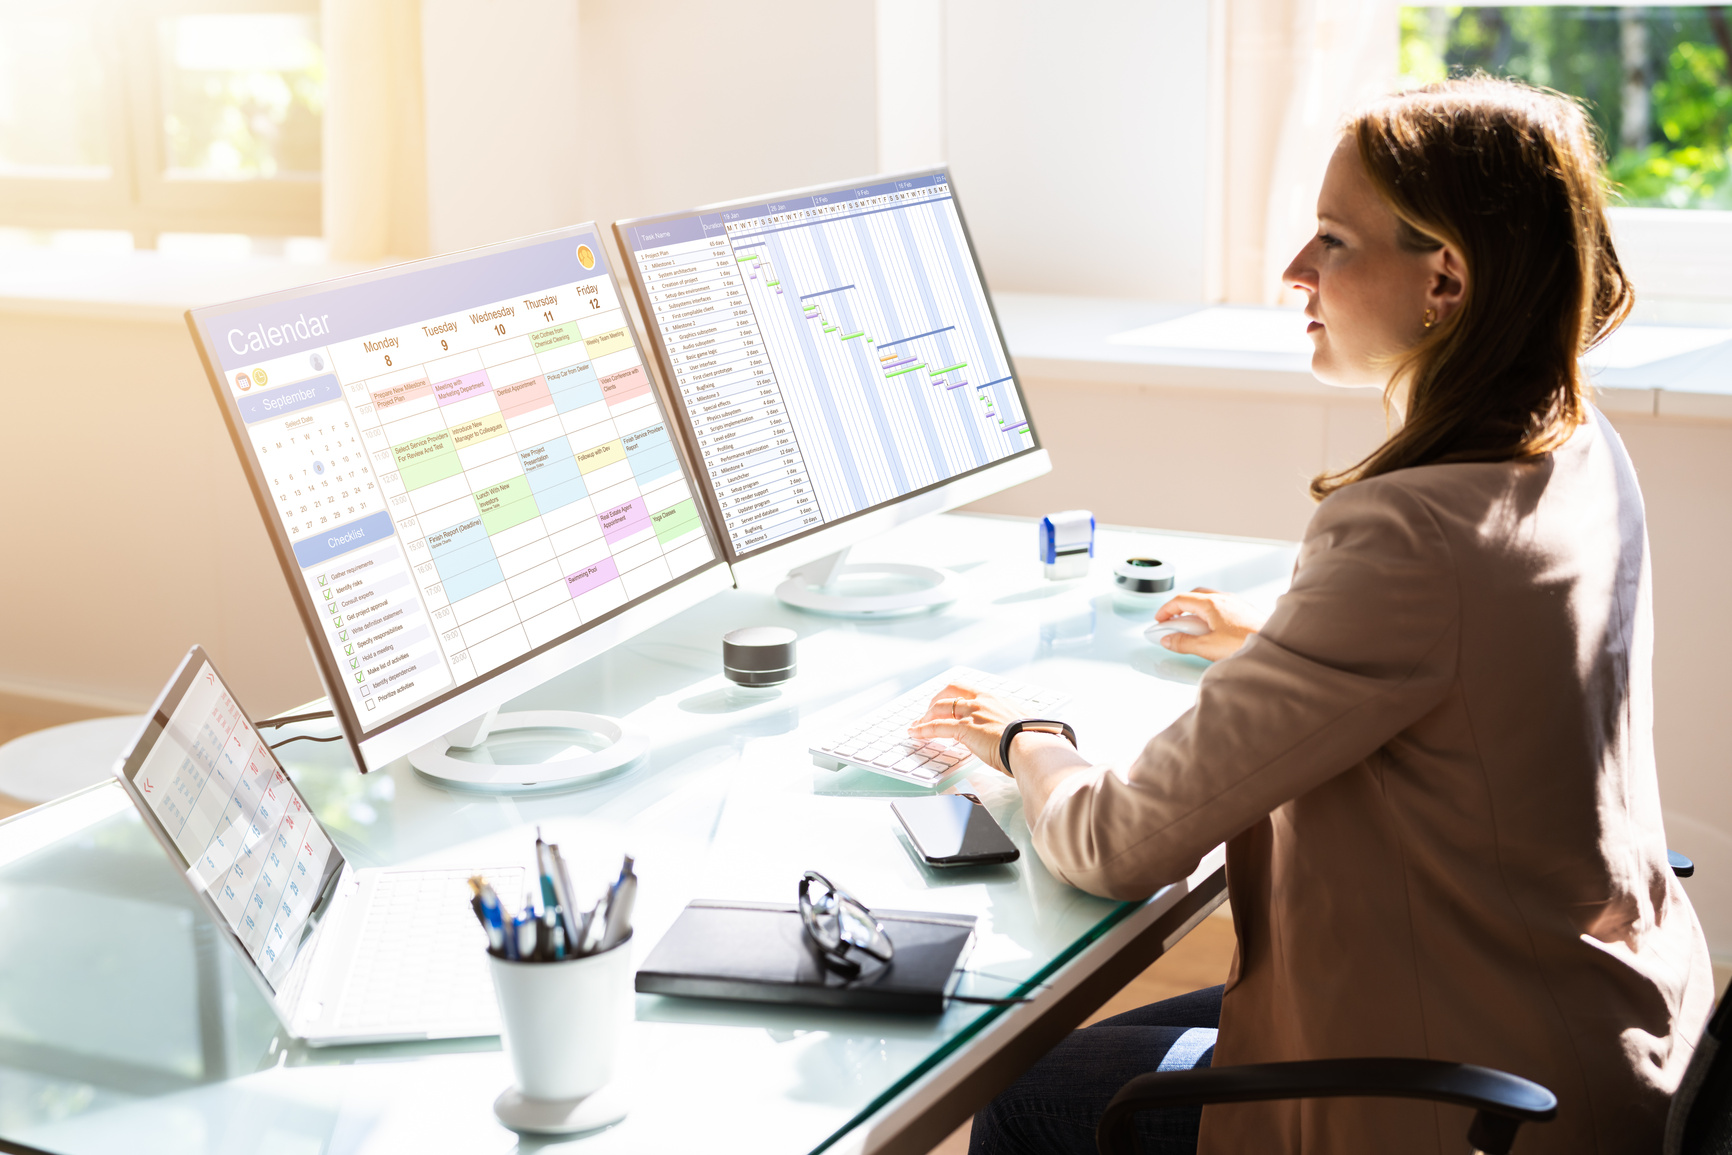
point(1434, 769)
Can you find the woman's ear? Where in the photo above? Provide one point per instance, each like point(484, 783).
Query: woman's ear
point(1446, 281)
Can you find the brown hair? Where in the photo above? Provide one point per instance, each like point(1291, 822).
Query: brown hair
point(1509, 177)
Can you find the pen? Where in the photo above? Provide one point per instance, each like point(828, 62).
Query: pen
point(562, 892)
point(544, 868)
point(593, 921)
point(619, 903)
point(492, 917)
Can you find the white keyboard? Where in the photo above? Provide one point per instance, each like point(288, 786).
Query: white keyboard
point(880, 743)
point(421, 964)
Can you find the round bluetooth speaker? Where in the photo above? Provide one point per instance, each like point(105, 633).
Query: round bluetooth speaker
point(759, 655)
point(1143, 575)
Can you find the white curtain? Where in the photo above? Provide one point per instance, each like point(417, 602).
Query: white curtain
point(375, 142)
point(1346, 52)
point(1295, 69)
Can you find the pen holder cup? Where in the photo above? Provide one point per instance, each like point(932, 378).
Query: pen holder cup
point(563, 1022)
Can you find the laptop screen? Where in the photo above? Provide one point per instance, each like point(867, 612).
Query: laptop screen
point(247, 839)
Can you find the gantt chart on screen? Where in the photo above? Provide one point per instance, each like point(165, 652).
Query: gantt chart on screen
point(469, 461)
point(834, 351)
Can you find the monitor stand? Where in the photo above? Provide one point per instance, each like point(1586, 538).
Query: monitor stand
point(581, 748)
point(819, 586)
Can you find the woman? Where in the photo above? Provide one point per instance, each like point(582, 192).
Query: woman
point(1433, 764)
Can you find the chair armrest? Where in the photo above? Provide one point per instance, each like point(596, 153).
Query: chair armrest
point(1503, 1101)
point(1680, 864)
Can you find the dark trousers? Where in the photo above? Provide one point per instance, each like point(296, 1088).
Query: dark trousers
point(1054, 1107)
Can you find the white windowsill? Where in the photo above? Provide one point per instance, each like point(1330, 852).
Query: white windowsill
point(1655, 370)
point(1083, 339)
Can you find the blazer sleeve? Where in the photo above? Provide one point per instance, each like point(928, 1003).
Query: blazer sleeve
point(1362, 646)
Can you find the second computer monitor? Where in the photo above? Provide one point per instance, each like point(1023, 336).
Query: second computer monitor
point(835, 361)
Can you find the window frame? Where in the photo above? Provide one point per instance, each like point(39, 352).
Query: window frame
point(1661, 248)
point(139, 196)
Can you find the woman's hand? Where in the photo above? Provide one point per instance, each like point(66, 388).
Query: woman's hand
point(1230, 618)
point(972, 717)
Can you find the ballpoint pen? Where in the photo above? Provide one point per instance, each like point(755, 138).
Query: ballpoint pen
point(620, 899)
point(544, 869)
point(492, 916)
point(562, 892)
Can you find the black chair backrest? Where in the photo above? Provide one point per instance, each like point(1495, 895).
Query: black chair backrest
point(1700, 1122)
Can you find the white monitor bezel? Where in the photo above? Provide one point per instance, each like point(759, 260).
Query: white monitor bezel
point(456, 707)
point(778, 558)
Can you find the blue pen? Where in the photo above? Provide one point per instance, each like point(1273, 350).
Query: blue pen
point(521, 941)
point(492, 916)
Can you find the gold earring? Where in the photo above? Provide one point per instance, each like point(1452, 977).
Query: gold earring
point(1430, 318)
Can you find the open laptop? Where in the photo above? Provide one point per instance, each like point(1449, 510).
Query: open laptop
point(343, 955)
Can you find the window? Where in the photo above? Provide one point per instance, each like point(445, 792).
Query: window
point(1655, 80)
point(173, 116)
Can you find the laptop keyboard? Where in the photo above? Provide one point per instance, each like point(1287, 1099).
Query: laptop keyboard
point(421, 965)
point(880, 742)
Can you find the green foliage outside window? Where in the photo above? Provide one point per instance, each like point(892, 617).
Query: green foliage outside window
point(1655, 80)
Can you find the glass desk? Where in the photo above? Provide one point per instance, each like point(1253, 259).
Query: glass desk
point(125, 1024)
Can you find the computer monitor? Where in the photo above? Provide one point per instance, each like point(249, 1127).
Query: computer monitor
point(471, 485)
point(836, 368)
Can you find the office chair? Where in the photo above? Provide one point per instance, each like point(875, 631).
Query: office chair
point(1699, 1123)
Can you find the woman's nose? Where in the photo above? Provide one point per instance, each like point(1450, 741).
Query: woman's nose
point(1301, 273)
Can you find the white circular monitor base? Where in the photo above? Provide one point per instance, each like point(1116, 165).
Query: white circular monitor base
point(560, 1116)
point(575, 768)
point(942, 587)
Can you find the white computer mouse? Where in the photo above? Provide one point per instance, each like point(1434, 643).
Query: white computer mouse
point(1183, 624)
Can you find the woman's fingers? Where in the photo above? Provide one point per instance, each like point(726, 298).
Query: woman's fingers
point(939, 728)
point(981, 741)
point(948, 702)
point(1189, 604)
point(1185, 644)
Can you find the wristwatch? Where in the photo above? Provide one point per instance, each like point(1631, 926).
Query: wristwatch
point(1039, 725)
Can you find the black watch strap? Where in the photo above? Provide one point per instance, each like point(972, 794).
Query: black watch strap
point(1040, 725)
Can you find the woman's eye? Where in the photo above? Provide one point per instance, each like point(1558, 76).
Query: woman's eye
point(1329, 242)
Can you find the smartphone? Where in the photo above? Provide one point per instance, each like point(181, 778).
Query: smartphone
point(954, 830)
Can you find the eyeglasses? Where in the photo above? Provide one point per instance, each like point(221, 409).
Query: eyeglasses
point(840, 924)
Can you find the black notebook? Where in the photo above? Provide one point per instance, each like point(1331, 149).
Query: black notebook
point(759, 952)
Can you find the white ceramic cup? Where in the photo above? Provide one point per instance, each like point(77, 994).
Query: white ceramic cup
point(563, 1021)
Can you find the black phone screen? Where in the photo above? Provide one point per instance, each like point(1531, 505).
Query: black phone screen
point(954, 830)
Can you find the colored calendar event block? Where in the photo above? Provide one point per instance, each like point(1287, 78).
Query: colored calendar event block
point(553, 338)
point(392, 395)
point(573, 387)
point(623, 521)
point(625, 385)
point(651, 453)
point(553, 474)
point(676, 521)
point(462, 388)
point(507, 504)
point(523, 396)
point(611, 341)
point(464, 557)
point(479, 430)
point(592, 576)
point(424, 460)
point(591, 460)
